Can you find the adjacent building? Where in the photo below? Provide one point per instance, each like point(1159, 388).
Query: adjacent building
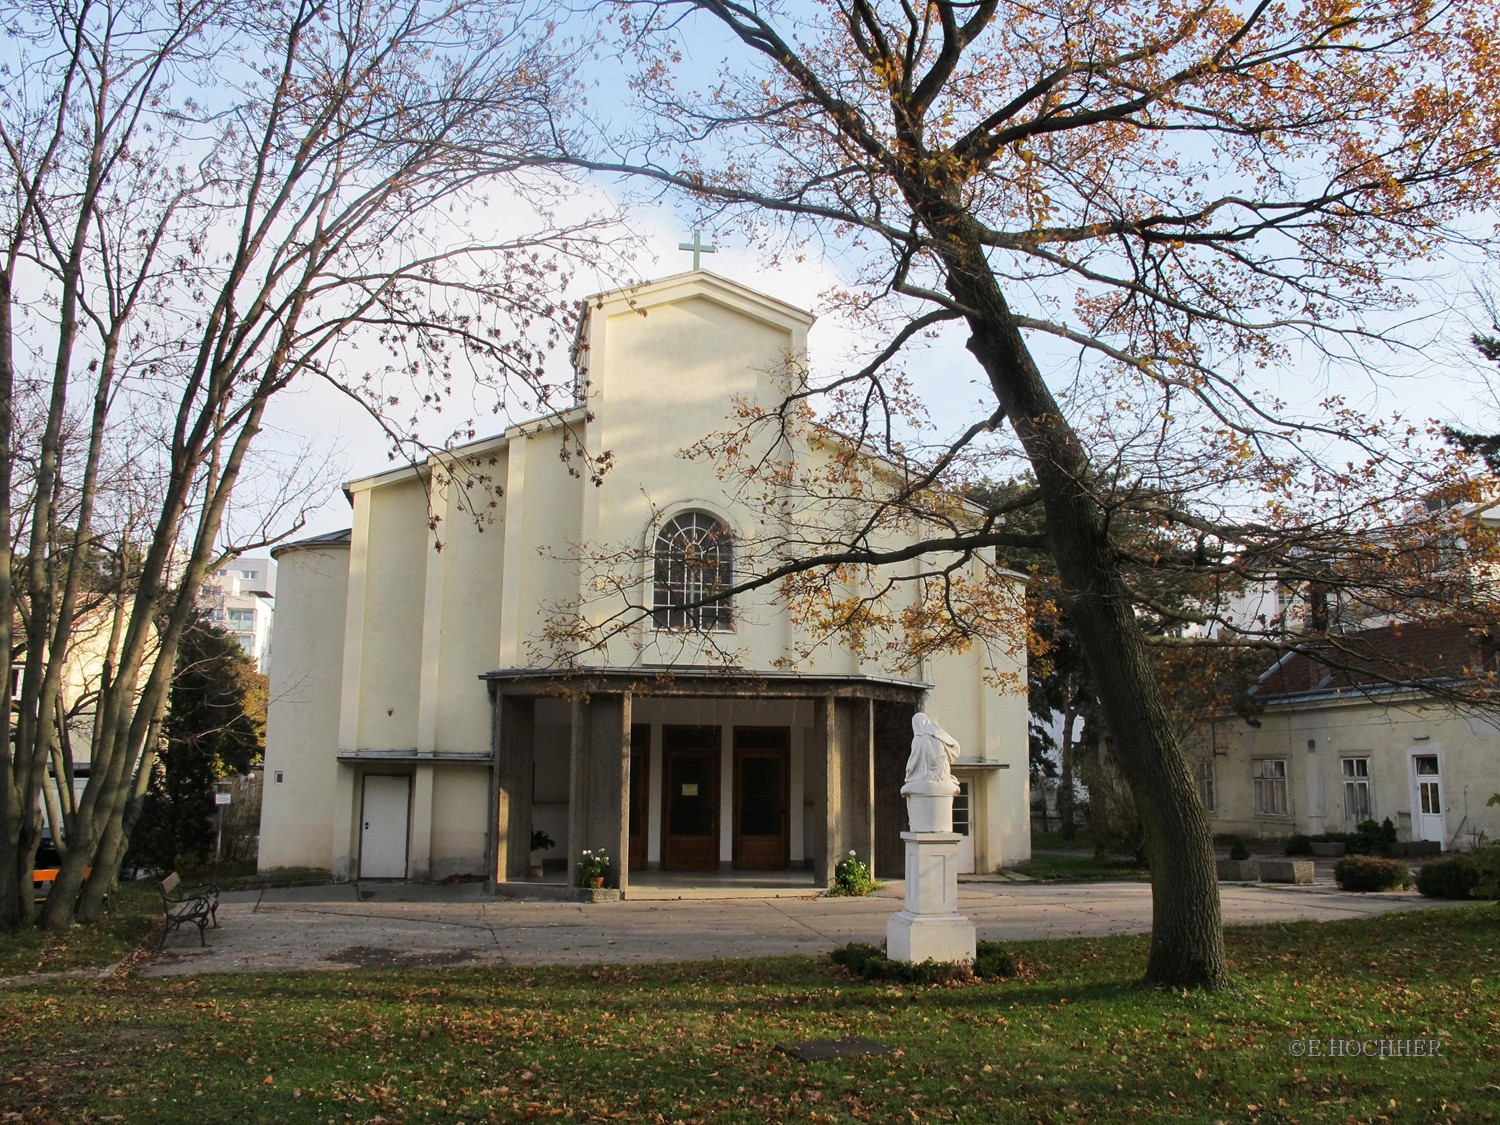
point(1362, 727)
point(240, 597)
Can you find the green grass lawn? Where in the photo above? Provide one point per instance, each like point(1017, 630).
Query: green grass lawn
point(1070, 1040)
point(1078, 868)
point(137, 906)
point(1083, 839)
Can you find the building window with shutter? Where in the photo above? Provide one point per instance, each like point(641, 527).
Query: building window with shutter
point(1269, 778)
point(1207, 789)
point(1359, 803)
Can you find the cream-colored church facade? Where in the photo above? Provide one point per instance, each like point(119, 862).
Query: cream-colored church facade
point(421, 727)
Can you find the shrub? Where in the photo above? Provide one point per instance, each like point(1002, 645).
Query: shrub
point(1370, 838)
point(1451, 876)
point(852, 879)
point(861, 958)
point(1487, 861)
point(1369, 873)
point(1239, 851)
point(1297, 844)
point(992, 961)
point(1487, 866)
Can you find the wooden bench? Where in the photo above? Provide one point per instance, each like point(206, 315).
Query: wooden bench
point(187, 906)
point(41, 883)
point(42, 879)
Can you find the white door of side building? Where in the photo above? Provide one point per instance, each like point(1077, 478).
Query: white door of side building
point(963, 824)
point(1427, 799)
point(383, 831)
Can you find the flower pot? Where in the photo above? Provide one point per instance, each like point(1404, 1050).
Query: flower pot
point(596, 882)
point(596, 894)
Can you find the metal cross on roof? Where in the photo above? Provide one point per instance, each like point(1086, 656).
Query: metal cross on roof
point(698, 247)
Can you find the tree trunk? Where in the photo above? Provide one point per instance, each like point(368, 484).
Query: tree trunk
point(1187, 943)
point(1065, 809)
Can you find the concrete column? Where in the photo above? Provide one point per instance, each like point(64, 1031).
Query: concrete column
point(819, 775)
point(514, 746)
point(841, 778)
point(346, 798)
point(859, 793)
point(599, 787)
point(419, 861)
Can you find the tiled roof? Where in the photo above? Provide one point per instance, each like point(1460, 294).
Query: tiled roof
point(1410, 655)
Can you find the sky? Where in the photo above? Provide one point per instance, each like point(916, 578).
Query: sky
point(1437, 378)
point(1442, 380)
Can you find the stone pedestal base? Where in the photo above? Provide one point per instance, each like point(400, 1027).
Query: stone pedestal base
point(930, 928)
point(924, 937)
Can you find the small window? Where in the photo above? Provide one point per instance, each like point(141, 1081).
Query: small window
point(1207, 789)
point(694, 559)
point(1269, 778)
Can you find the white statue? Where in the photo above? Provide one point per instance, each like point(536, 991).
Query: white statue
point(930, 928)
point(933, 752)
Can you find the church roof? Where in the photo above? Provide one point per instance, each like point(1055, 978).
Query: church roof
point(313, 542)
point(703, 283)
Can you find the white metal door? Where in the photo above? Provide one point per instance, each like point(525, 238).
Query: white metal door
point(382, 839)
point(963, 824)
point(1427, 811)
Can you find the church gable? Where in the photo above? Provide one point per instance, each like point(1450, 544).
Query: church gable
point(690, 343)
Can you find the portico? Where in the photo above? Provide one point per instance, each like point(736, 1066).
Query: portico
point(698, 770)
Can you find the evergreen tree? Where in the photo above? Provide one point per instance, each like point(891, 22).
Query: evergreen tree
point(215, 726)
point(1484, 446)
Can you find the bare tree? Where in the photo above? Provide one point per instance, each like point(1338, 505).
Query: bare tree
point(1183, 197)
point(207, 204)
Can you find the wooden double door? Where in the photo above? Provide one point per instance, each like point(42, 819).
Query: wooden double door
point(692, 798)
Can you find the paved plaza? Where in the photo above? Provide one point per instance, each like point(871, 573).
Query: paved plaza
point(395, 925)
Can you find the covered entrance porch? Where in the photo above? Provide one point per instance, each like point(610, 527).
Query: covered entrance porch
point(697, 774)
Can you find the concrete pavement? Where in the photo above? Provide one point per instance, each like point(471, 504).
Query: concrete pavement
point(402, 925)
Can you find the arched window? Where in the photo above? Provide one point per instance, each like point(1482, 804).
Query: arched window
point(694, 560)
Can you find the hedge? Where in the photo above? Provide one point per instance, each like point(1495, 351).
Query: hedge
point(1370, 873)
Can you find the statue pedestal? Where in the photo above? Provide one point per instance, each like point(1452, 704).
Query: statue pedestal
point(930, 928)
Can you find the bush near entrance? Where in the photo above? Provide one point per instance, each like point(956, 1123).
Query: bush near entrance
point(1370, 873)
point(1452, 876)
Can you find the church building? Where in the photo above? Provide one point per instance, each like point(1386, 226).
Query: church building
point(445, 683)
